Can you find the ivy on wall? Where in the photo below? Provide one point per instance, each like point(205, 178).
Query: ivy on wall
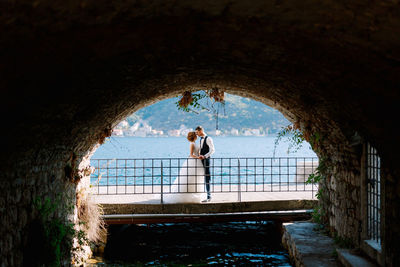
point(50, 238)
point(296, 138)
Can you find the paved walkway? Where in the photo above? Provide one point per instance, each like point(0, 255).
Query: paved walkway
point(285, 193)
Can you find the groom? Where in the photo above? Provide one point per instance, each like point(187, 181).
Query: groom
point(206, 150)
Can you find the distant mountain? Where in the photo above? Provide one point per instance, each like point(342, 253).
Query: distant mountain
point(238, 113)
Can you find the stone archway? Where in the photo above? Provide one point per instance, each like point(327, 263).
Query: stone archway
point(72, 71)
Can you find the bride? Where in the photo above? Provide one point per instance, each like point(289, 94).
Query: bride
point(189, 185)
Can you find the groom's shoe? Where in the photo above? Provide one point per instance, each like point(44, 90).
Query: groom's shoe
point(206, 200)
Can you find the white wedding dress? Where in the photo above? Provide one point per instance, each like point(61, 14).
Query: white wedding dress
point(189, 185)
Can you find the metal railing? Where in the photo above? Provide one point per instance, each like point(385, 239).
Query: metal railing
point(182, 175)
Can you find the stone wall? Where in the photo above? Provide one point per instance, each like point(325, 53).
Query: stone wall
point(39, 178)
point(46, 176)
point(391, 215)
point(344, 203)
point(341, 196)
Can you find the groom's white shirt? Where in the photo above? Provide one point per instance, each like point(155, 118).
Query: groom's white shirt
point(210, 144)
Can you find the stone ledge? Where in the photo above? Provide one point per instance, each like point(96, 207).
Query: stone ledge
point(350, 258)
point(190, 208)
point(308, 247)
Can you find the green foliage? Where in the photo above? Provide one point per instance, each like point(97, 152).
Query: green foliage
point(317, 215)
point(318, 175)
point(319, 172)
point(81, 236)
point(314, 140)
point(315, 178)
point(189, 102)
point(318, 195)
point(293, 135)
point(195, 104)
point(56, 235)
point(296, 138)
point(45, 208)
point(342, 242)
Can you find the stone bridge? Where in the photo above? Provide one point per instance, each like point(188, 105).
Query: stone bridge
point(278, 210)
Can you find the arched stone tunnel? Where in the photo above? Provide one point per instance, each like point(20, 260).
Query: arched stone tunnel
point(71, 71)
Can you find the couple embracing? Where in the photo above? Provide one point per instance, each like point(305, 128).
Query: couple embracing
point(194, 174)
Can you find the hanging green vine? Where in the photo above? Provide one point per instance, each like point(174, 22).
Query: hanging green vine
point(317, 177)
point(293, 134)
point(296, 138)
point(191, 102)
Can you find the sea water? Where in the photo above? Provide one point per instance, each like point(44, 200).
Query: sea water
point(137, 161)
point(178, 147)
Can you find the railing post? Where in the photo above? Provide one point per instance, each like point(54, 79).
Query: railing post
point(239, 185)
point(162, 183)
point(313, 183)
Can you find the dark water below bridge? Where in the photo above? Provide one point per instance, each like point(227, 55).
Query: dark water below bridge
point(194, 244)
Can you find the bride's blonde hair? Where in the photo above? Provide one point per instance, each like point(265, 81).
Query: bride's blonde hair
point(191, 136)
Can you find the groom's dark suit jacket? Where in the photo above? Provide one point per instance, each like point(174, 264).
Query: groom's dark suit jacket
point(205, 148)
